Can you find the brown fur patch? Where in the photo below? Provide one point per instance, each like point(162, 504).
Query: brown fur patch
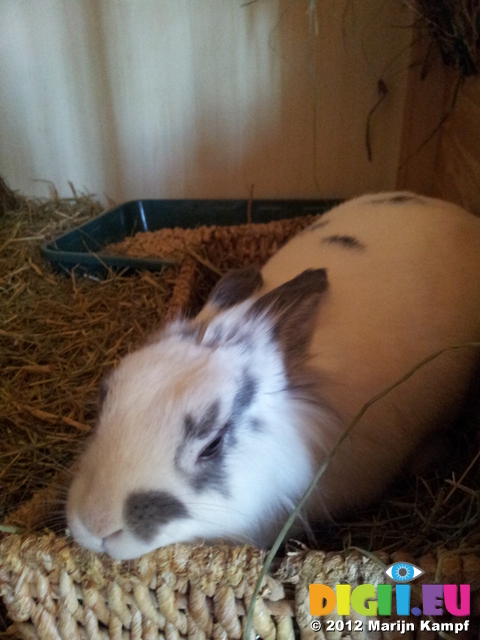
point(292, 307)
point(235, 287)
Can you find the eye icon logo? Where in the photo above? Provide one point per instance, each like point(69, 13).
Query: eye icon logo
point(403, 572)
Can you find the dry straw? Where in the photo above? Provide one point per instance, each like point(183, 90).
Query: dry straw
point(454, 26)
point(58, 336)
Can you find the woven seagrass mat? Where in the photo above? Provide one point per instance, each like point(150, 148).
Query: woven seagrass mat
point(53, 589)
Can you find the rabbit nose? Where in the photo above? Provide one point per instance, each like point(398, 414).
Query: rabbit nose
point(111, 537)
point(100, 521)
point(146, 511)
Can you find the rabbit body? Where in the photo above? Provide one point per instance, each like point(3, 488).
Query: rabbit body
point(214, 429)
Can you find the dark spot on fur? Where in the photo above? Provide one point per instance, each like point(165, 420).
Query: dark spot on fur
point(244, 396)
point(400, 198)
point(235, 287)
point(256, 425)
point(317, 225)
point(211, 477)
point(147, 511)
point(345, 241)
point(211, 472)
point(199, 429)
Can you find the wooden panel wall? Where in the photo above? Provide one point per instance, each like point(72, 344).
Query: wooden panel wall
point(424, 111)
point(448, 165)
point(457, 169)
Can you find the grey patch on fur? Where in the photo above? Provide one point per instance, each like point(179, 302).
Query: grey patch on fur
point(211, 472)
point(292, 308)
point(235, 287)
point(256, 425)
point(244, 396)
point(147, 511)
point(199, 429)
point(398, 199)
point(212, 477)
point(345, 241)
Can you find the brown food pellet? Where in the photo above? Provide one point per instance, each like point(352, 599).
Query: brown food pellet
point(225, 247)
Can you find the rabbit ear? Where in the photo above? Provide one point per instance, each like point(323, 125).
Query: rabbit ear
point(292, 307)
point(235, 287)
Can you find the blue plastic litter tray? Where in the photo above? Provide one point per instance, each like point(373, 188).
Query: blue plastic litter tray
point(81, 249)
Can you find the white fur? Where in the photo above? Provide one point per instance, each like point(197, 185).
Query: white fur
point(409, 288)
point(134, 445)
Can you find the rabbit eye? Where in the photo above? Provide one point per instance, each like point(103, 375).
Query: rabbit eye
point(212, 449)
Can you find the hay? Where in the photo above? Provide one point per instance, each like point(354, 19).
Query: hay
point(454, 26)
point(58, 336)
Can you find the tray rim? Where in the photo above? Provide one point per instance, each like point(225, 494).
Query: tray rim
point(100, 262)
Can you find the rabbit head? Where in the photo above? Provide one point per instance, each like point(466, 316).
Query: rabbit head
point(202, 434)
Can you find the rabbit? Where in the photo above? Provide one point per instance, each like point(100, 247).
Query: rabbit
point(214, 429)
